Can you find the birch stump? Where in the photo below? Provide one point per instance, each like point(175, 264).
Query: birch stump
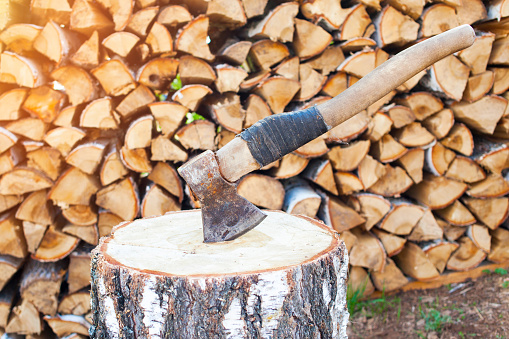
point(156, 278)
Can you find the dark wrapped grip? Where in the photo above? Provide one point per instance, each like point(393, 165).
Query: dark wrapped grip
point(277, 135)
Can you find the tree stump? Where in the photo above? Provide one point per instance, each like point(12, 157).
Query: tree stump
point(156, 278)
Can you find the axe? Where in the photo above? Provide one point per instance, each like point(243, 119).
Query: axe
point(225, 214)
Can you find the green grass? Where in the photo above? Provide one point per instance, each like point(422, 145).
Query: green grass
point(192, 116)
point(176, 84)
point(373, 307)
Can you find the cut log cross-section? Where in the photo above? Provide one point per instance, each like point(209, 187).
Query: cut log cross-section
point(271, 286)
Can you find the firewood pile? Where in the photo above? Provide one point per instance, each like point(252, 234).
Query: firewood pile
point(100, 102)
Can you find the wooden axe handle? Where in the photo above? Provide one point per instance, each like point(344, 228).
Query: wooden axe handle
point(235, 158)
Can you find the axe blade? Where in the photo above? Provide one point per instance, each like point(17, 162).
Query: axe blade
point(225, 214)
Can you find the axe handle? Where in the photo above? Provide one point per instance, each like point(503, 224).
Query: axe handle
point(235, 159)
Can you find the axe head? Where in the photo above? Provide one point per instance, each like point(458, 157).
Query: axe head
point(225, 214)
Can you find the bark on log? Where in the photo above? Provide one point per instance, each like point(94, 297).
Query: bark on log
point(300, 292)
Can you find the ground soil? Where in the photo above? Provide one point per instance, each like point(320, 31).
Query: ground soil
point(474, 309)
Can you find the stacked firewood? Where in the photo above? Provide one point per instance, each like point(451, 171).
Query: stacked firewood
point(100, 102)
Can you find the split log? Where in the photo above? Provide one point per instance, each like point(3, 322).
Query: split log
point(135, 101)
point(99, 114)
point(309, 40)
point(493, 186)
point(459, 139)
point(437, 192)
point(165, 176)
point(67, 117)
point(447, 78)
point(139, 133)
point(439, 124)
point(471, 11)
point(106, 221)
point(24, 319)
point(89, 234)
point(300, 198)
point(370, 171)
point(438, 159)
point(35, 208)
point(73, 187)
point(199, 134)
point(40, 284)
point(379, 126)
point(414, 135)
point(87, 156)
point(393, 183)
point(112, 167)
point(411, 8)
point(311, 82)
point(87, 55)
point(486, 122)
point(426, 229)
point(64, 138)
point(439, 252)
point(120, 43)
point(335, 84)
point(289, 166)
point(55, 42)
point(33, 235)
point(8, 201)
point(77, 303)
point(87, 17)
point(229, 78)
point(9, 266)
point(348, 238)
point(19, 38)
point(359, 64)
point(120, 198)
point(22, 180)
point(65, 325)
point(347, 183)
point(277, 25)
point(159, 39)
point(157, 202)
point(476, 56)
point(499, 250)
point(356, 24)
point(480, 236)
point(267, 53)
point(456, 214)
point(114, 77)
point(413, 162)
point(415, 263)
point(79, 269)
point(104, 268)
point(466, 257)
point(392, 243)
point(47, 160)
point(192, 38)
point(329, 14)
point(337, 214)
point(438, 19)
point(254, 8)
point(359, 282)
point(501, 80)
point(80, 215)
point(478, 86)
point(173, 15)
point(498, 54)
point(31, 128)
point(320, 172)
point(348, 158)
point(191, 96)
point(367, 251)
point(235, 51)
point(158, 72)
point(314, 148)
point(169, 115)
point(390, 279)
point(466, 170)
point(387, 149)
point(277, 92)
point(44, 102)
point(491, 212)
point(11, 102)
point(328, 61)
point(254, 187)
point(227, 111)
point(491, 154)
point(402, 217)
point(254, 79)
point(371, 207)
point(162, 149)
point(16, 69)
point(55, 245)
point(141, 20)
point(394, 28)
point(422, 104)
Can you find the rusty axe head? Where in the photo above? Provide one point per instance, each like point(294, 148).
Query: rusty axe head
point(225, 214)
